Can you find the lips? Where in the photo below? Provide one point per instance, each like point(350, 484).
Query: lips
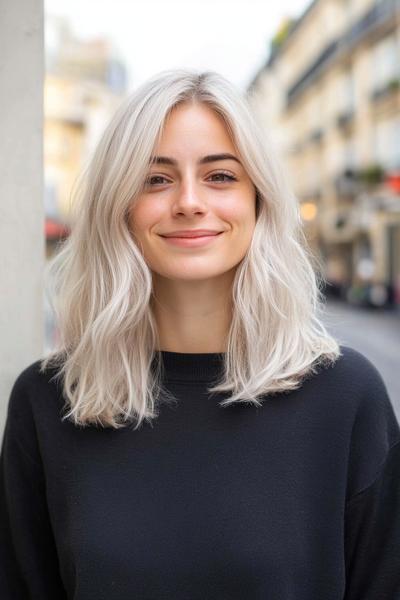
point(191, 234)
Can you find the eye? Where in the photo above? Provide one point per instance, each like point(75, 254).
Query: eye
point(222, 177)
point(155, 180)
point(227, 176)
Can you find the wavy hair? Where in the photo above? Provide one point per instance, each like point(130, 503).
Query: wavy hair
point(101, 287)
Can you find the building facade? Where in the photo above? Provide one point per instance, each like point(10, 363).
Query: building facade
point(329, 95)
point(84, 84)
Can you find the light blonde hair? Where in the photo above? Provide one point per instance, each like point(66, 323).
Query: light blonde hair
point(101, 287)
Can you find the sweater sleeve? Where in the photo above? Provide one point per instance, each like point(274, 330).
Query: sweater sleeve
point(372, 514)
point(28, 555)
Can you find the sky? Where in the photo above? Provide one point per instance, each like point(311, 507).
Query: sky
point(228, 36)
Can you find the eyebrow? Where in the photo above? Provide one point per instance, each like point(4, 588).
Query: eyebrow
point(166, 160)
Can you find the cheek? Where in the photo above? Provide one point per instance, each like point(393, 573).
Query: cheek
point(243, 214)
point(143, 216)
point(245, 219)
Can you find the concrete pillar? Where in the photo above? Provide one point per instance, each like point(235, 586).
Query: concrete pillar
point(22, 241)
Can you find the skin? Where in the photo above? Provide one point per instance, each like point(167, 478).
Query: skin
point(192, 285)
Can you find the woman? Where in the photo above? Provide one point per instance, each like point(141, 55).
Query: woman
point(216, 442)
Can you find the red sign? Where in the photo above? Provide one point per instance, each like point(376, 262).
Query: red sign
point(54, 230)
point(393, 181)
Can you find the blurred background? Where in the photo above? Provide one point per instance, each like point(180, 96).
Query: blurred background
point(324, 80)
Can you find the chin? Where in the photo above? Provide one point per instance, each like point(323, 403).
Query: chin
point(193, 274)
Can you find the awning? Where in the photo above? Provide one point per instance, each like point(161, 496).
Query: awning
point(55, 230)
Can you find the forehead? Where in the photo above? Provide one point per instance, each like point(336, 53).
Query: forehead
point(198, 123)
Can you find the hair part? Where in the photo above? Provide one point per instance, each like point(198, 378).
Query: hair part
point(100, 286)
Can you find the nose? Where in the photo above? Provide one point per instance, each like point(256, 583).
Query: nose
point(189, 200)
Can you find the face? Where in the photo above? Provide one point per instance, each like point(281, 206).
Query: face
point(196, 185)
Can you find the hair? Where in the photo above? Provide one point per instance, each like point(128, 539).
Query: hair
point(101, 286)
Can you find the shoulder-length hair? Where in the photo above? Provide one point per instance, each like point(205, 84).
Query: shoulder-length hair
point(102, 287)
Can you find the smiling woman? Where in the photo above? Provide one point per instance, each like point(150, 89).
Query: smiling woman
point(197, 434)
point(197, 195)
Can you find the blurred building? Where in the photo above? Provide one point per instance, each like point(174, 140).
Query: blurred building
point(84, 84)
point(329, 96)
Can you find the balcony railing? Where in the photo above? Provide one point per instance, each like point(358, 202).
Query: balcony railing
point(386, 90)
point(345, 118)
point(378, 15)
point(317, 67)
point(381, 14)
point(346, 184)
point(316, 136)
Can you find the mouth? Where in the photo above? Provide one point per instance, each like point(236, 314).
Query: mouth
point(191, 234)
point(187, 241)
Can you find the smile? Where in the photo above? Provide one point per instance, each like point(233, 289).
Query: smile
point(192, 242)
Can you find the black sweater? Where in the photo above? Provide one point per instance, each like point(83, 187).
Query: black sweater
point(298, 499)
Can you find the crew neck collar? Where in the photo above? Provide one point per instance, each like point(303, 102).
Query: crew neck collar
point(179, 366)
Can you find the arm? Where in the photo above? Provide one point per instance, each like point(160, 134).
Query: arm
point(372, 511)
point(28, 555)
point(372, 536)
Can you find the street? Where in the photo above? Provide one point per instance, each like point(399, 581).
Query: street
point(374, 333)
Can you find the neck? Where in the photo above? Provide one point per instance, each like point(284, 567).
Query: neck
point(193, 316)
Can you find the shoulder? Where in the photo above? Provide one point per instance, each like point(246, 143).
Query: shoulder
point(373, 424)
point(359, 375)
point(353, 366)
point(32, 400)
point(34, 375)
point(32, 384)
point(353, 392)
point(358, 380)
point(354, 378)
